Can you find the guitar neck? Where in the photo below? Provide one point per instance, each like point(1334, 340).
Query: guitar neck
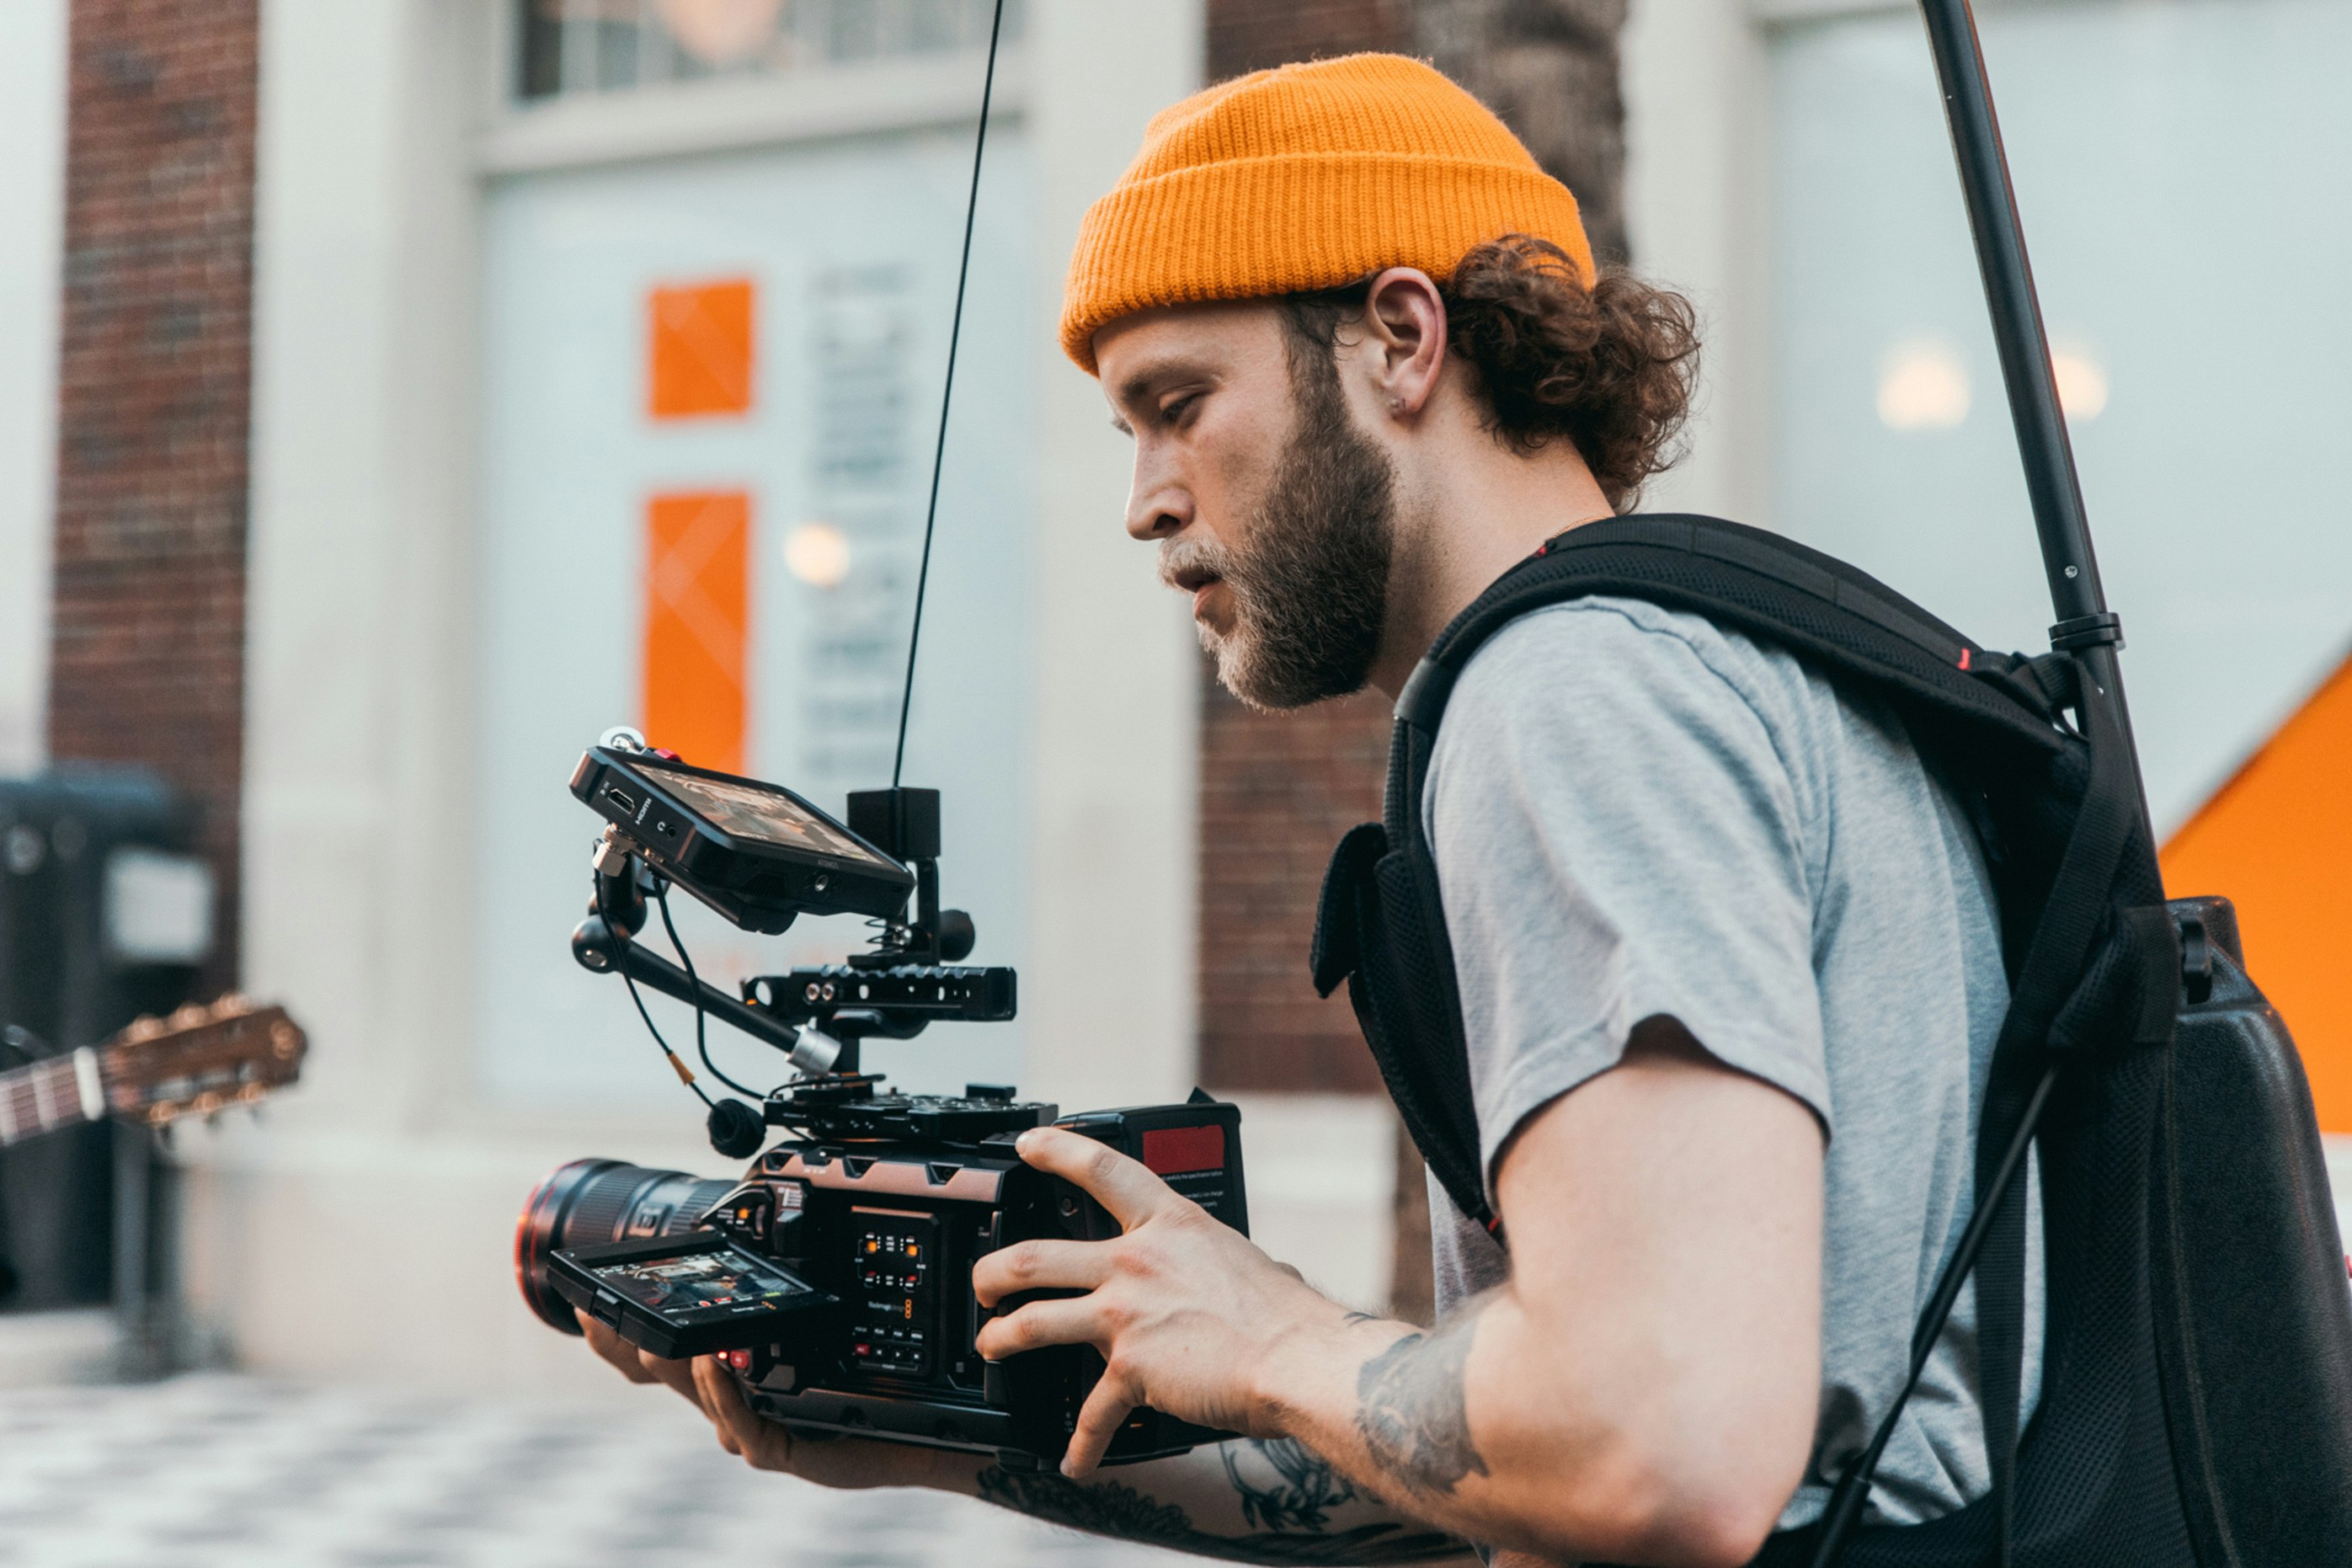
point(62, 1091)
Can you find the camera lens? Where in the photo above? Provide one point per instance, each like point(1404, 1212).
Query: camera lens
point(590, 1203)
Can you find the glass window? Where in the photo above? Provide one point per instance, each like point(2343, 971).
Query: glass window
point(2184, 168)
point(571, 46)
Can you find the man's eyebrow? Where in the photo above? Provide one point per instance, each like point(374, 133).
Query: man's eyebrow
point(1139, 389)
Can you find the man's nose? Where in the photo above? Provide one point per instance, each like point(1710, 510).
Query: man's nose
point(1156, 505)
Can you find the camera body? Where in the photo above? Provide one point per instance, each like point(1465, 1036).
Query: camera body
point(881, 1205)
point(835, 1277)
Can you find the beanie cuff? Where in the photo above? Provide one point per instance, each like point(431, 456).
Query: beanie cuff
point(1297, 223)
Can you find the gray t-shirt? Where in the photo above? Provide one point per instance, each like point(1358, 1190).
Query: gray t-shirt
point(1636, 812)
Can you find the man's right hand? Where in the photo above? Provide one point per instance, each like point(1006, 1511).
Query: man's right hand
point(847, 1462)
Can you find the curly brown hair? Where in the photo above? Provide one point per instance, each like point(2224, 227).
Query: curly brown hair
point(1612, 367)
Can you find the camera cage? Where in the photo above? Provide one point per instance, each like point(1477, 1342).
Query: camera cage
point(660, 830)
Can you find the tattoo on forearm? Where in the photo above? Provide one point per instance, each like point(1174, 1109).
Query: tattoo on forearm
point(1291, 1522)
point(1413, 1414)
point(1298, 1495)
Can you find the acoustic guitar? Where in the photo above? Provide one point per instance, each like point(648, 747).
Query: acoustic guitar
point(193, 1062)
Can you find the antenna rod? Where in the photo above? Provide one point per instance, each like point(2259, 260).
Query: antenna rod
point(946, 394)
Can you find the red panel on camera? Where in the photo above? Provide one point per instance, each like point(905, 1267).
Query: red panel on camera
point(1176, 1150)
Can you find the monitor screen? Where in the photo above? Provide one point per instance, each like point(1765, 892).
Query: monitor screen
point(702, 1286)
point(765, 817)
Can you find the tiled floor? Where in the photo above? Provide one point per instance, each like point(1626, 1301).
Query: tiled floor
point(211, 1471)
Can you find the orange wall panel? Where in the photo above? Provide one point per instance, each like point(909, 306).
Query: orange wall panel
point(701, 350)
point(2277, 841)
point(697, 626)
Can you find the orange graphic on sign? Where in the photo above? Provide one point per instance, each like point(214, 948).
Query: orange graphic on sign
point(702, 349)
point(697, 621)
point(2277, 841)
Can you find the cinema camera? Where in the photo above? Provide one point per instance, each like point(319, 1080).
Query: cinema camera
point(834, 1277)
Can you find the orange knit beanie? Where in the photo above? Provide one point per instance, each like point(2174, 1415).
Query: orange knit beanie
point(1307, 177)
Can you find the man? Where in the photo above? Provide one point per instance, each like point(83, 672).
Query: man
point(1726, 950)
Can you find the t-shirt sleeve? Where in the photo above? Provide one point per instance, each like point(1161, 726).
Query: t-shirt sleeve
point(1617, 837)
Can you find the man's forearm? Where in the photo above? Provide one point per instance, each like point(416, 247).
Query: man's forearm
point(1245, 1500)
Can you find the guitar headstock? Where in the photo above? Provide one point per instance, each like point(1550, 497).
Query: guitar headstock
point(199, 1060)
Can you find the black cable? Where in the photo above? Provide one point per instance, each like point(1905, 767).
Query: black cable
point(701, 1037)
point(605, 914)
point(946, 394)
point(1852, 1492)
point(630, 981)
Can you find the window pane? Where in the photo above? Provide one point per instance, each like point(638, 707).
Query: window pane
point(592, 46)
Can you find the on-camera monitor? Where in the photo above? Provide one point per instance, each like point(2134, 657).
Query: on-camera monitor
point(766, 816)
point(701, 1286)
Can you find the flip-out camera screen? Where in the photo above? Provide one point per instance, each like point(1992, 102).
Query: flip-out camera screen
point(704, 1288)
point(686, 1294)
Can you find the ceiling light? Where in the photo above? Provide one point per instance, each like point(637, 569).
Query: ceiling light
point(722, 32)
point(817, 554)
point(1923, 385)
point(2082, 382)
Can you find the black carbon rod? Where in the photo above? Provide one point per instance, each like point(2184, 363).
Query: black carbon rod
point(2079, 602)
point(2017, 330)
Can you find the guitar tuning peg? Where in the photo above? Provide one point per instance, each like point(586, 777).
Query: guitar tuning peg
point(145, 1027)
point(188, 1015)
point(231, 1004)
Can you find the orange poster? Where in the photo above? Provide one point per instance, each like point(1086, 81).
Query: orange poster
point(697, 626)
point(699, 353)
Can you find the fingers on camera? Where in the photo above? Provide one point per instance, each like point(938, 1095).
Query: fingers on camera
point(740, 1431)
point(1099, 1422)
point(613, 1348)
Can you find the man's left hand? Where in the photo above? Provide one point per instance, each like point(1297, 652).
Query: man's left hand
point(1188, 1315)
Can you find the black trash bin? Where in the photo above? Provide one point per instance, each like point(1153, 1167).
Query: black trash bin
point(105, 914)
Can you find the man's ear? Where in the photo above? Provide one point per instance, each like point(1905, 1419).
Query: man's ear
point(1404, 340)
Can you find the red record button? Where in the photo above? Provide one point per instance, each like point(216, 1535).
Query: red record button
point(740, 1360)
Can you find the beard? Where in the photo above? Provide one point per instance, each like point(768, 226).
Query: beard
point(1310, 579)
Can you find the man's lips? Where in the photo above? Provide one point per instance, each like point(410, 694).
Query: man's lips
point(1197, 582)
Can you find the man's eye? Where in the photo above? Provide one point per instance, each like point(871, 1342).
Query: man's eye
point(1175, 409)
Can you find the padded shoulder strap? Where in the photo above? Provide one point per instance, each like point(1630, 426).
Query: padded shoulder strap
point(1757, 582)
point(1744, 578)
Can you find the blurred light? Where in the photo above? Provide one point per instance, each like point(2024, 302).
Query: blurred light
point(722, 32)
point(2082, 382)
point(817, 554)
point(1923, 386)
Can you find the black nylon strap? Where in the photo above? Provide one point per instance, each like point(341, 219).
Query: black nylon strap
point(2080, 901)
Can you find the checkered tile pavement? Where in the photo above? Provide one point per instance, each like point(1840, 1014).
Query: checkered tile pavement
point(216, 1470)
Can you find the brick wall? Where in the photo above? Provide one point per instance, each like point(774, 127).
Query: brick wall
point(1277, 792)
point(154, 360)
point(1250, 34)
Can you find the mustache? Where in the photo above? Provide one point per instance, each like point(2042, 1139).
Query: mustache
point(1193, 558)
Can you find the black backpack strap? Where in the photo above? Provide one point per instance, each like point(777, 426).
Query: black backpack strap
point(2108, 964)
point(1381, 925)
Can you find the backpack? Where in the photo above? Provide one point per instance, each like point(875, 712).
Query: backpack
point(2197, 1393)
